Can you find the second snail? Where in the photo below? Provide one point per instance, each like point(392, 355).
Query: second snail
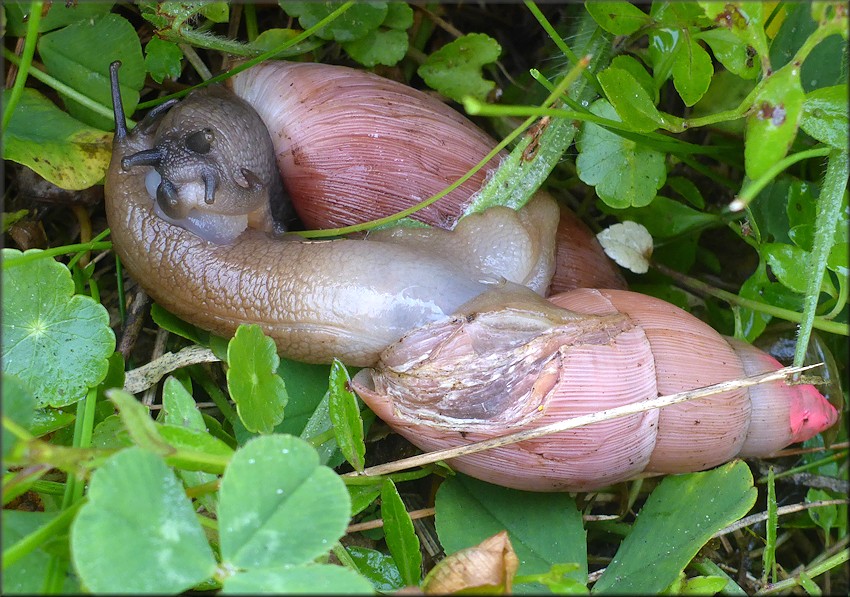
point(459, 342)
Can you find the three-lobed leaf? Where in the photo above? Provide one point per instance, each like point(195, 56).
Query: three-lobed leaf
point(138, 532)
point(278, 506)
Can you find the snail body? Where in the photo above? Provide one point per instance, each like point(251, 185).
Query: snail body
point(463, 343)
point(319, 300)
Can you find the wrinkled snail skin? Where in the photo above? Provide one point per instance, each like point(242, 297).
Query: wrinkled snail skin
point(353, 146)
point(639, 348)
point(347, 299)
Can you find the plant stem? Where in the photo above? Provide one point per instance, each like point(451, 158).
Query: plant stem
point(35, 255)
point(756, 186)
point(59, 86)
point(840, 558)
point(829, 205)
point(832, 327)
point(25, 62)
point(253, 61)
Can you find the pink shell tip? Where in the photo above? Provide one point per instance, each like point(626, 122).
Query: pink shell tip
point(811, 413)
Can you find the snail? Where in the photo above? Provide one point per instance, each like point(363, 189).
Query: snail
point(487, 373)
point(404, 301)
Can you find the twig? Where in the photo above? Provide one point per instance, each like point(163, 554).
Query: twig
point(612, 413)
point(145, 376)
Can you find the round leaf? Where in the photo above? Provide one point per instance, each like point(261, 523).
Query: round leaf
point(278, 506)
point(455, 69)
point(56, 342)
point(629, 244)
point(623, 172)
point(259, 392)
point(138, 532)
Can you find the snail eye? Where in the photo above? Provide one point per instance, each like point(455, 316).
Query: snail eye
point(200, 141)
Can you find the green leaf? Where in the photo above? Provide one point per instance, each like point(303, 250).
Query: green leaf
point(259, 393)
point(111, 434)
point(825, 115)
point(355, 23)
point(278, 506)
point(545, 528)
point(666, 218)
point(400, 535)
point(345, 416)
point(619, 18)
point(399, 16)
point(789, 264)
point(178, 406)
point(18, 405)
point(737, 56)
point(56, 342)
point(217, 12)
point(823, 516)
point(314, 579)
point(362, 496)
point(79, 56)
point(772, 125)
point(745, 20)
point(636, 69)
point(687, 189)
point(624, 173)
point(59, 148)
point(801, 209)
point(138, 532)
point(629, 98)
point(59, 15)
point(378, 567)
point(378, 47)
point(272, 38)
point(692, 71)
point(137, 420)
point(455, 69)
point(690, 509)
point(162, 59)
point(822, 68)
